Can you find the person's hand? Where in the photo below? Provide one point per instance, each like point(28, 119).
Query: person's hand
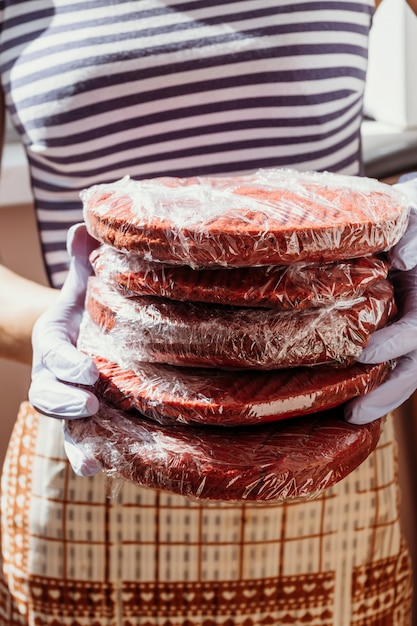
point(58, 368)
point(81, 463)
point(399, 340)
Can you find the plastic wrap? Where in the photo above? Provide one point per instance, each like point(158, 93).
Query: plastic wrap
point(202, 335)
point(272, 217)
point(271, 462)
point(295, 286)
point(167, 393)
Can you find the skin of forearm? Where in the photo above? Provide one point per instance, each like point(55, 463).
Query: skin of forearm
point(21, 303)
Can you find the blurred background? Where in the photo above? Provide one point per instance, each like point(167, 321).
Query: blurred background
point(389, 130)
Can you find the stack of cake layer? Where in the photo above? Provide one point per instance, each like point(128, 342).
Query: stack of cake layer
point(232, 302)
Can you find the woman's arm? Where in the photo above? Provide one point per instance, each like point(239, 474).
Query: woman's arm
point(21, 302)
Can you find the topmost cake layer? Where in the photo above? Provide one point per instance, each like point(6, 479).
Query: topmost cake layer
point(271, 217)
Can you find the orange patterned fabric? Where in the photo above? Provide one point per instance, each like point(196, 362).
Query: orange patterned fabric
point(86, 552)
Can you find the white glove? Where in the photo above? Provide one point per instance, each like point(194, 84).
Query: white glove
point(58, 367)
point(398, 340)
point(81, 463)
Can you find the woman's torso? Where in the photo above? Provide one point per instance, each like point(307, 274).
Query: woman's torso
point(102, 89)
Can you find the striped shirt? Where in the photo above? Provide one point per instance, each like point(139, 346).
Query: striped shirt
point(101, 89)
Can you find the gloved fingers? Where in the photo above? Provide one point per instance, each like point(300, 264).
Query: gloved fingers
point(56, 331)
point(406, 177)
point(399, 386)
point(80, 246)
point(56, 360)
point(405, 284)
point(57, 325)
point(391, 342)
point(57, 399)
point(81, 463)
point(64, 360)
point(64, 315)
point(403, 255)
point(80, 243)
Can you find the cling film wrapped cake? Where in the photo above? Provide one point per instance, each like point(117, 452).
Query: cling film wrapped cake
point(271, 462)
point(271, 217)
point(225, 319)
point(285, 287)
point(204, 335)
point(188, 395)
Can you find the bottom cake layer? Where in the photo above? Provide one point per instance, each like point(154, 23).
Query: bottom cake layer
point(271, 462)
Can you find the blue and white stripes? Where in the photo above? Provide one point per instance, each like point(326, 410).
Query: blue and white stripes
point(102, 89)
